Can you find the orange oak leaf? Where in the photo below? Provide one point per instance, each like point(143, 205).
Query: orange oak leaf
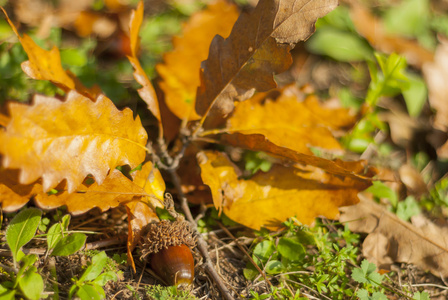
point(180, 70)
point(14, 195)
point(147, 92)
point(46, 65)
point(288, 122)
point(69, 140)
point(257, 48)
point(116, 189)
point(267, 199)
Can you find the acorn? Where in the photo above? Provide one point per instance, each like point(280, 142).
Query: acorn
point(167, 246)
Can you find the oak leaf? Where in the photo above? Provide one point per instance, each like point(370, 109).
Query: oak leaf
point(267, 199)
point(147, 92)
point(69, 140)
point(180, 69)
point(391, 239)
point(256, 49)
point(288, 122)
point(280, 124)
point(46, 65)
point(14, 195)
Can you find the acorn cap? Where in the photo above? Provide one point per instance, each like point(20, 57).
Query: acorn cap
point(165, 233)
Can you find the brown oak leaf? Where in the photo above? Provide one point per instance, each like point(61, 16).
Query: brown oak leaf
point(256, 49)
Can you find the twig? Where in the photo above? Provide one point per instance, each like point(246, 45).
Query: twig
point(244, 250)
point(201, 244)
point(9, 269)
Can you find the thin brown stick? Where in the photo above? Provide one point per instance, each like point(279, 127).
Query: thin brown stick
point(201, 244)
point(244, 250)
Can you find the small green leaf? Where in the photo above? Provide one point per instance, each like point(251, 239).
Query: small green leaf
point(421, 296)
point(263, 250)
point(69, 244)
point(6, 294)
point(104, 278)
point(291, 249)
point(31, 284)
point(415, 95)
point(90, 292)
point(22, 229)
point(407, 208)
point(250, 273)
point(94, 270)
point(366, 274)
point(339, 45)
point(274, 267)
point(54, 235)
point(380, 190)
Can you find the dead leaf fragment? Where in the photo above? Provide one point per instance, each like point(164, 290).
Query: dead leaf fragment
point(257, 48)
point(425, 246)
point(180, 68)
point(69, 140)
point(267, 199)
point(147, 92)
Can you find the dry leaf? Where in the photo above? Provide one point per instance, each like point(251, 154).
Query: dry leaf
point(147, 92)
point(372, 29)
point(180, 70)
point(267, 199)
point(69, 140)
point(257, 48)
point(391, 239)
point(14, 195)
point(46, 65)
point(112, 192)
point(288, 122)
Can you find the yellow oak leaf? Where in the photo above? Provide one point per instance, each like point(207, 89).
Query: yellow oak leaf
point(288, 121)
point(147, 92)
point(180, 69)
point(69, 140)
point(267, 199)
point(46, 65)
point(14, 195)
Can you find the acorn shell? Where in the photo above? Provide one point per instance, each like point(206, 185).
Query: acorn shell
point(175, 265)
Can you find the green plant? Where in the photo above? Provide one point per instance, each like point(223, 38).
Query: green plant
point(25, 281)
point(90, 284)
point(373, 287)
point(158, 292)
point(313, 257)
point(62, 243)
